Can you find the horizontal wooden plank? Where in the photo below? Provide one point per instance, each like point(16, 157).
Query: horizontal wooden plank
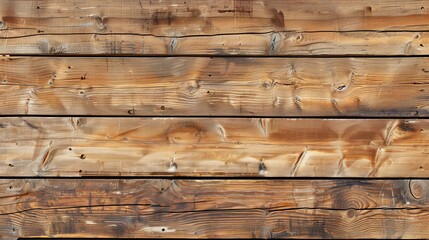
point(46, 146)
point(196, 17)
point(214, 209)
point(172, 86)
point(214, 27)
point(284, 43)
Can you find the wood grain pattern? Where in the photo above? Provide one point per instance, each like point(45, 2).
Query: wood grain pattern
point(192, 17)
point(234, 86)
point(214, 209)
point(170, 96)
point(266, 27)
point(278, 43)
point(213, 147)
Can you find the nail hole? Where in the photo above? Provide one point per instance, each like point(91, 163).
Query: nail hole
point(208, 91)
point(70, 149)
point(81, 92)
point(131, 111)
point(10, 165)
point(80, 171)
point(162, 108)
point(421, 168)
point(38, 7)
point(210, 75)
point(82, 156)
point(422, 130)
point(163, 229)
point(262, 167)
point(421, 45)
point(162, 189)
point(341, 87)
point(13, 229)
point(69, 67)
point(10, 187)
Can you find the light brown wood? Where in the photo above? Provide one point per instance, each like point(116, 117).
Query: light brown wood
point(214, 27)
point(213, 147)
point(192, 17)
point(284, 43)
point(217, 97)
point(214, 209)
point(214, 86)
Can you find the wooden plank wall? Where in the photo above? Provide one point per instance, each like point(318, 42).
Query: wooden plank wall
point(214, 119)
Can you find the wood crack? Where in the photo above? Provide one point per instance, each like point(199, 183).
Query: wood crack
point(207, 35)
point(216, 209)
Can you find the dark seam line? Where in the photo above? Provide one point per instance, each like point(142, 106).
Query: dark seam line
point(174, 238)
point(321, 56)
point(269, 210)
point(316, 117)
point(208, 178)
point(214, 34)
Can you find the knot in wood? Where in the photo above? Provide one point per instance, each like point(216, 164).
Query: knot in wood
point(192, 87)
point(417, 189)
point(351, 213)
point(184, 134)
point(267, 84)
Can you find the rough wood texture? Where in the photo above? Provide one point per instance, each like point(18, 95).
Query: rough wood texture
point(306, 43)
point(210, 208)
point(267, 27)
point(196, 17)
point(213, 147)
point(171, 86)
point(118, 117)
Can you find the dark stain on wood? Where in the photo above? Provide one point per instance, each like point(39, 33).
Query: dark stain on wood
point(241, 8)
point(157, 207)
point(406, 126)
point(278, 19)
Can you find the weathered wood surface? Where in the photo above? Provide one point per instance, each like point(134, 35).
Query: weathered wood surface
point(172, 86)
point(45, 146)
point(284, 43)
point(192, 17)
point(266, 27)
point(210, 208)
